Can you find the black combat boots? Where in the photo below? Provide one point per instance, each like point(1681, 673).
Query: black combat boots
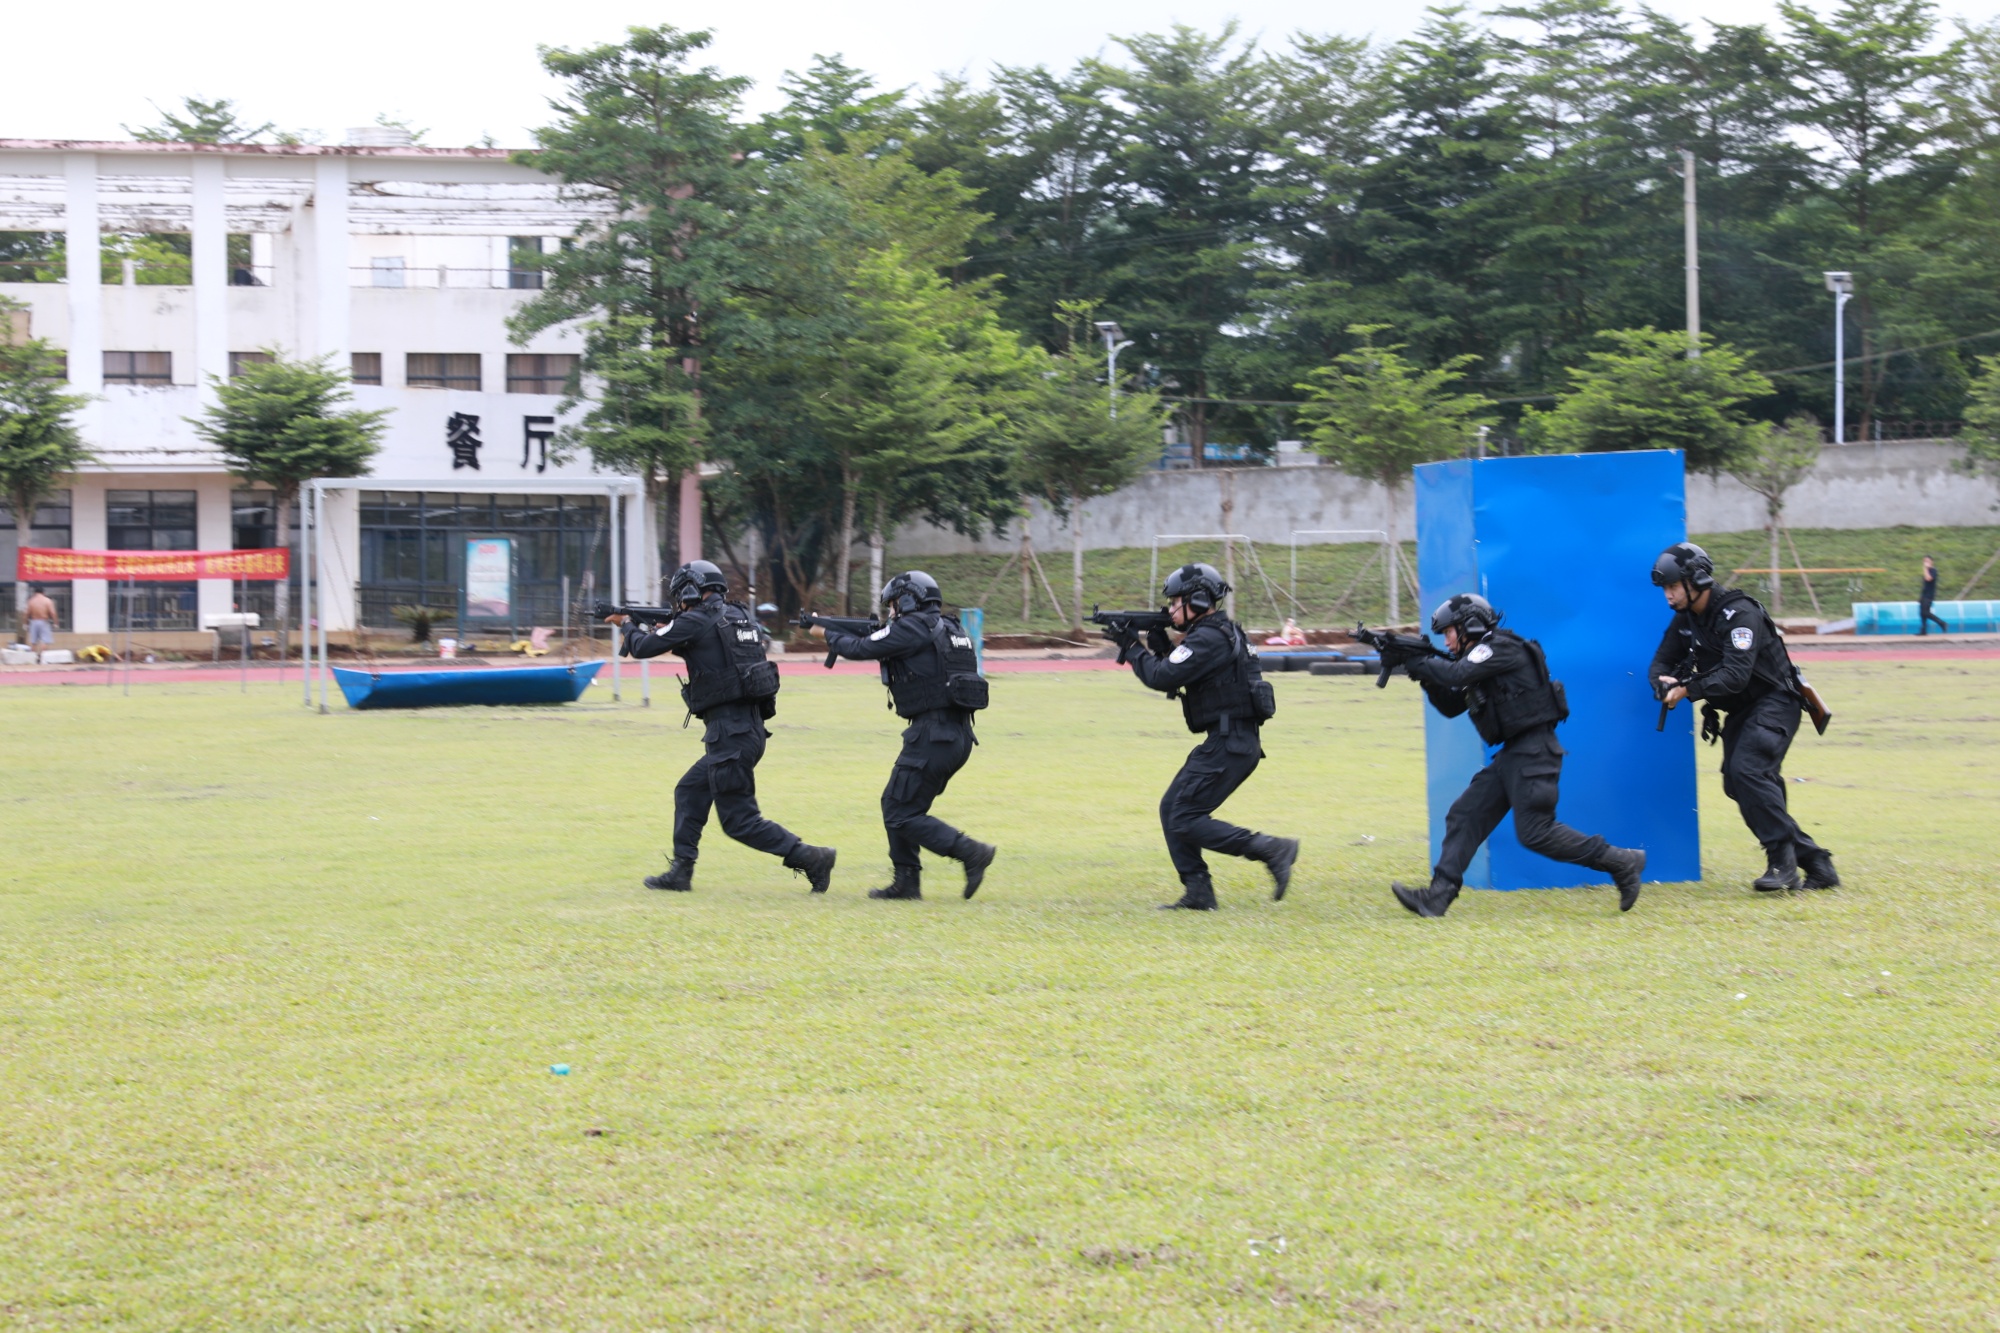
point(1434, 901)
point(1278, 855)
point(1818, 865)
point(816, 863)
point(906, 884)
point(975, 856)
point(1783, 874)
point(1627, 865)
point(679, 877)
point(1197, 895)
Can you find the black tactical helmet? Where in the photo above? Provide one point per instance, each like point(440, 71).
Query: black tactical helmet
point(695, 578)
point(1467, 612)
point(909, 591)
point(1684, 562)
point(1200, 585)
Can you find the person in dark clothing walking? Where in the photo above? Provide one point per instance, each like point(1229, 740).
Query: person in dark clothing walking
point(934, 684)
point(1502, 680)
point(1722, 650)
point(1225, 700)
point(1926, 597)
point(733, 690)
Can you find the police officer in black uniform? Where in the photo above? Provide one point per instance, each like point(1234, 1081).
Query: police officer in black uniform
point(934, 683)
point(1722, 649)
point(1503, 681)
point(733, 689)
point(1224, 699)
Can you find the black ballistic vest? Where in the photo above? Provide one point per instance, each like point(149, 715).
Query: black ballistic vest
point(945, 677)
point(739, 673)
point(1238, 692)
point(1523, 699)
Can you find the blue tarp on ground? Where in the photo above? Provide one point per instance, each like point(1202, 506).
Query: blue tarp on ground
point(1563, 545)
point(558, 684)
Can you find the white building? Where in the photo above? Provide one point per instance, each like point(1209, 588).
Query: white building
point(159, 266)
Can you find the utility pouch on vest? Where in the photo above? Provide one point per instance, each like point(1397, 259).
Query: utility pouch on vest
point(1263, 700)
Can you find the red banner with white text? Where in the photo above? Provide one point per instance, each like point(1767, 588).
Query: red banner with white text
point(57, 564)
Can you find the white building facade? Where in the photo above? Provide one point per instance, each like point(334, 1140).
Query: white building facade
point(160, 268)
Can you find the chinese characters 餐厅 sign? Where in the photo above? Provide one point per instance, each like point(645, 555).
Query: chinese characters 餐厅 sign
point(489, 577)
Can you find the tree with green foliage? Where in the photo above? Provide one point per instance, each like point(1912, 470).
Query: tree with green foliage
point(282, 423)
point(644, 128)
point(1771, 462)
point(203, 122)
point(39, 441)
point(1076, 442)
point(1375, 415)
point(1646, 392)
point(832, 107)
point(913, 401)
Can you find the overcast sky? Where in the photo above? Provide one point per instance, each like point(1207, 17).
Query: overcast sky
point(82, 70)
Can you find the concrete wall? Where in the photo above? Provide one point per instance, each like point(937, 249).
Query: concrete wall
point(1911, 482)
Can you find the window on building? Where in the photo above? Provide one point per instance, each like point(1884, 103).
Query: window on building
point(151, 521)
point(49, 529)
point(413, 551)
point(244, 270)
point(238, 360)
point(442, 370)
point(539, 372)
point(386, 271)
point(253, 526)
point(139, 368)
point(524, 262)
point(31, 256)
point(366, 367)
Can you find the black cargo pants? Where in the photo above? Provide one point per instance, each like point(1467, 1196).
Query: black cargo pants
point(935, 746)
point(1524, 777)
point(1214, 770)
point(1755, 740)
point(725, 777)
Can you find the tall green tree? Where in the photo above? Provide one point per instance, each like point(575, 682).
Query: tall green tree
point(1645, 392)
point(201, 122)
point(39, 441)
point(1375, 415)
point(642, 127)
point(1077, 442)
point(284, 422)
point(1771, 462)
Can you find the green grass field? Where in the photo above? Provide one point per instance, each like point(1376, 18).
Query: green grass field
point(1341, 583)
point(279, 997)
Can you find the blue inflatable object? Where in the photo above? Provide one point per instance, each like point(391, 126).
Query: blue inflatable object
point(1904, 617)
point(1563, 545)
point(558, 684)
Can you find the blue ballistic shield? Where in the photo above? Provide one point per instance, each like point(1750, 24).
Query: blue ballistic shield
point(1564, 545)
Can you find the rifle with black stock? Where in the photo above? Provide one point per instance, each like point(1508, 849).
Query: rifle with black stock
point(845, 624)
point(1395, 650)
point(1125, 627)
point(640, 615)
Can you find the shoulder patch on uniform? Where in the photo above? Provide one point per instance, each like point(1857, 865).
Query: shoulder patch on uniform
point(1480, 653)
point(1740, 638)
point(1180, 654)
point(882, 633)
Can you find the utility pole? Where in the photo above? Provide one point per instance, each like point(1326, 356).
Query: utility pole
point(1115, 342)
point(1842, 287)
point(1692, 246)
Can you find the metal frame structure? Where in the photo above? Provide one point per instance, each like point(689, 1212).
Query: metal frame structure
point(312, 547)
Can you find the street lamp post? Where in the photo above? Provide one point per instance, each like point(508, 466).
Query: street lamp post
point(1115, 342)
point(1842, 287)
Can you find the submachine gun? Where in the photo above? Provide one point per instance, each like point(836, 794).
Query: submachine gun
point(1125, 627)
point(1396, 650)
point(638, 615)
point(1684, 671)
point(845, 624)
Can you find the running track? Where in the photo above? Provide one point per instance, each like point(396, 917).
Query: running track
point(799, 665)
